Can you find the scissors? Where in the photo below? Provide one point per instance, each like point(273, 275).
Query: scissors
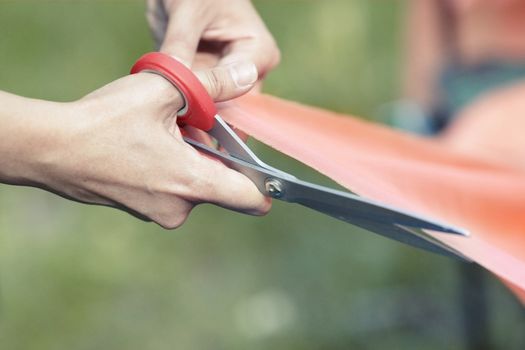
point(200, 112)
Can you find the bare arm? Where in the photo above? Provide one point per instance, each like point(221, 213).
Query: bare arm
point(120, 146)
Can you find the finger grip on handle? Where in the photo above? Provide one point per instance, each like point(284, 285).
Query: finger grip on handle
point(199, 109)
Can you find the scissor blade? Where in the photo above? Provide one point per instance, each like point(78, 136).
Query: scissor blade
point(345, 206)
point(348, 206)
point(372, 216)
point(441, 248)
point(415, 237)
point(233, 144)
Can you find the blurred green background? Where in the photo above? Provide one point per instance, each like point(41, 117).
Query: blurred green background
point(82, 277)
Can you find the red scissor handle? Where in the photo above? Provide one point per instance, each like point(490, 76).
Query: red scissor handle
point(199, 110)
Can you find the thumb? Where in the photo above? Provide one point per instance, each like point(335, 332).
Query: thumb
point(229, 81)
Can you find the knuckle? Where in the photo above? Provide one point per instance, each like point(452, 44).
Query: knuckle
point(276, 59)
point(173, 216)
point(265, 207)
point(215, 84)
point(261, 208)
point(172, 221)
point(272, 59)
point(275, 56)
point(260, 205)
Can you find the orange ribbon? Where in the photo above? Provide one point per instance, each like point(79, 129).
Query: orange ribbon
point(422, 175)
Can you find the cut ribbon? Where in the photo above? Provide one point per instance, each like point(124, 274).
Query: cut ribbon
point(406, 171)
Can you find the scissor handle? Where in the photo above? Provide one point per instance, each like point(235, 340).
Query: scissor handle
point(199, 109)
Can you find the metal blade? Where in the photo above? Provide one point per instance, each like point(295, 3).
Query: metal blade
point(375, 218)
point(379, 218)
point(443, 247)
point(347, 206)
point(235, 146)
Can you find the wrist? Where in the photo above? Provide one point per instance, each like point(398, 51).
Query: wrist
point(32, 133)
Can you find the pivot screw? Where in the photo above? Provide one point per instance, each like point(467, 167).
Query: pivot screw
point(274, 188)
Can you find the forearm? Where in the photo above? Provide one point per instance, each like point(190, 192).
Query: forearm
point(28, 137)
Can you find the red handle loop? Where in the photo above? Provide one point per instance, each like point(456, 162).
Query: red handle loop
point(199, 109)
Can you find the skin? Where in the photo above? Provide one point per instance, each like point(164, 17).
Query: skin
point(205, 33)
point(120, 145)
point(472, 31)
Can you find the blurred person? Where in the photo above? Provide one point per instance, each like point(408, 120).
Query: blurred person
point(120, 146)
point(464, 77)
point(458, 51)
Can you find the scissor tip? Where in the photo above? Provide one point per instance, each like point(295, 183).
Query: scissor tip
point(456, 230)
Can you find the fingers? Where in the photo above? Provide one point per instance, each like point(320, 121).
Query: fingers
point(229, 81)
point(183, 34)
point(201, 180)
point(228, 188)
point(157, 18)
point(263, 52)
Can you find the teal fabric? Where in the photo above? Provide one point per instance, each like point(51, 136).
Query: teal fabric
point(456, 87)
point(460, 85)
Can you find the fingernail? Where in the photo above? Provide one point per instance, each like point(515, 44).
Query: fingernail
point(244, 74)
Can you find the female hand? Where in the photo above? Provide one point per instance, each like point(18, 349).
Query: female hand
point(204, 33)
point(120, 146)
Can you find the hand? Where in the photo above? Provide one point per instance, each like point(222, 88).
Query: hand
point(204, 33)
point(120, 146)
